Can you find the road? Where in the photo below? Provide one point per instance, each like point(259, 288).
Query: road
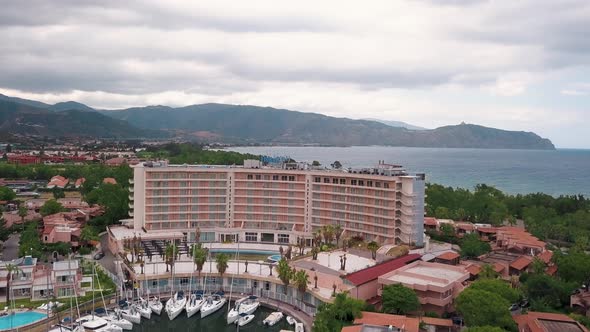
point(108, 261)
point(10, 250)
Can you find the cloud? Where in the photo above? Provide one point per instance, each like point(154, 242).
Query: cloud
point(577, 89)
point(426, 61)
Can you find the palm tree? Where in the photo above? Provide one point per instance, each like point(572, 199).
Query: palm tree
point(373, 246)
point(337, 234)
point(170, 254)
point(11, 269)
point(285, 273)
point(199, 257)
point(300, 279)
point(317, 238)
point(314, 253)
point(221, 260)
point(22, 213)
point(328, 232)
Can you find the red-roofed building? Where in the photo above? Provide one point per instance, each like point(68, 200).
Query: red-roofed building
point(430, 223)
point(79, 182)
point(546, 256)
point(520, 265)
point(117, 161)
point(547, 322)
point(407, 324)
point(57, 181)
point(109, 181)
point(515, 239)
point(449, 257)
point(23, 159)
point(366, 281)
point(464, 228)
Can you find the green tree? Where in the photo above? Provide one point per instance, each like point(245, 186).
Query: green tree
point(199, 257)
point(88, 234)
point(336, 165)
point(300, 280)
point(6, 194)
point(285, 273)
point(546, 292)
point(170, 253)
point(499, 287)
point(486, 328)
point(221, 261)
point(333, 316)
point(473, 247)
point(114, 198)
point(537, 266)
point(373, 247)
point(447, 230)
point(442, 212)
point(22, 213)
point(30, 243)
point(58, 193)
point(399, 299)
point(574, 267)
point(4, 232)
point(481, 308)
point(488, 272)
point(51, 207)
point(315, 163)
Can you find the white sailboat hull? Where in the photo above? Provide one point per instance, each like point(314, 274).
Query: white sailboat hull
point(192, 309)
point(156, 306)
point(134, 318)
point(145, 312)
point(245, 320)
point(299, 327)
point(208, 309)
point(123, 323)
point(175, 307)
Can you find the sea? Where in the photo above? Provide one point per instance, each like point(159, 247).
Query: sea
point(554, 172)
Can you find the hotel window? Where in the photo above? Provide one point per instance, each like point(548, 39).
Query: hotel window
point(258, 177)
point(335, 181)
point(291, 194)
point(361, 183)
point(378, 184)
point(283, 238)
point(254, 283)
point(317, 179)
point(184, 281)
point(266, 177)
point(342, 181)
point(251, 237)
point(267, 285)
point(291, 178)
point(283, 178)
point(326, 180)
point(369, 183)
point(386, 185)
point(353, 182)
point(275, 177)
point(250, 177)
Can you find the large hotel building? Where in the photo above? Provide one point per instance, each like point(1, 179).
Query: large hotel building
point(277, 204)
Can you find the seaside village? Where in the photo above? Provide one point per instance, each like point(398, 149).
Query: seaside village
point(352, 231)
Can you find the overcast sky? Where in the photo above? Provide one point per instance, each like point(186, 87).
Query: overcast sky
point(511, 64)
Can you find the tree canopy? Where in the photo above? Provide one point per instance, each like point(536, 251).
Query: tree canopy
point(482, 308)
point(50, 207)
point(399, 299)
point(115, 200)
point(499, 287)
point(333, 316)
point(472, 246)
point(6, 194)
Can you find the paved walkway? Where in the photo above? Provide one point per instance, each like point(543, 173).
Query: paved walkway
point(10, 250)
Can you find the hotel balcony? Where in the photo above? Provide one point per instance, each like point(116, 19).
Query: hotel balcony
point(131, 189)
point(130, 197)
point(131, 213)
point(131, 181)
point(130, 205)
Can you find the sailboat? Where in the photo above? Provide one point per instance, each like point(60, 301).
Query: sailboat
point(131, 314)
point(156, 305)
point(246, 305)
point(116, 318)
point(94, 323)
point(244, 319)
point(213, 303)
point(195, 299)
point(143, 308)
point(176, 302)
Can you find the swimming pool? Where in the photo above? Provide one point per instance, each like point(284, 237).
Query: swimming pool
point(19, 319)
point(246, 254)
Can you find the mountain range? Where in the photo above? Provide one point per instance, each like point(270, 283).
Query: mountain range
point(243, 124)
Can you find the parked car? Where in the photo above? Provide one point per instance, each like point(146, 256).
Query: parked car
point(99, 255)
point(514, 307)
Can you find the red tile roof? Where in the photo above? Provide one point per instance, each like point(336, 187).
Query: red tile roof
point(373, 272)
point(498, 267)
point(473, 269)
point(489, 230)
point(354, 328)
point(409, 324)
point(109, 180)
point(465, 226)
point(547, 322)
point(437, 321)
point(521, 262)
point(430, 221)
point(448, 256)
point(551, 270)
point(546, 256)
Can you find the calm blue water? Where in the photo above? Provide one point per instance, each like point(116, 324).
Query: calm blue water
point(555, 172)
point(19, 319)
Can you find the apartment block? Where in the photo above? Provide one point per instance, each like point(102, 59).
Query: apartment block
point(277, 204)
